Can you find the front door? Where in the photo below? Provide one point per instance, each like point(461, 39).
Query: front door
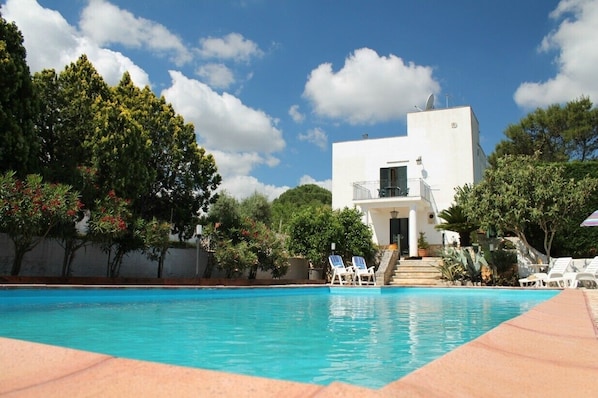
point(399, 233)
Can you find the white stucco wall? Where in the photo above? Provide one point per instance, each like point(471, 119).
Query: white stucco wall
point(446, 140)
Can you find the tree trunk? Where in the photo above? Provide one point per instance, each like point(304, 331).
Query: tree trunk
point(161, 260)
point(207, 273)
point(116, 263)
point(18, 260)
point(21, 247)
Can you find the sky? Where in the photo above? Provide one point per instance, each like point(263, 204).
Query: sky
point(270, 84)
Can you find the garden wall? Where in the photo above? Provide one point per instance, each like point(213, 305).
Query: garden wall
point(45, 260)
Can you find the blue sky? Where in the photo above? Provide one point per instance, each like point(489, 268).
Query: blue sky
point(271, 84)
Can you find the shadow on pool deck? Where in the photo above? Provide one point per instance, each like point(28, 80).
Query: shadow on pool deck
point(550, 351)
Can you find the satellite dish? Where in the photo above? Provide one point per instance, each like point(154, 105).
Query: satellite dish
point(430, 102)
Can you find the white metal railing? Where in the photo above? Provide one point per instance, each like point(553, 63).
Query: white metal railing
point(416, 187)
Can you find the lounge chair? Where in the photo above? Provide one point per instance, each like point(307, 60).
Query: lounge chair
point(556, 274)
point(339, 271)
point(363, 274)
point(590, 273)
point(535, 280)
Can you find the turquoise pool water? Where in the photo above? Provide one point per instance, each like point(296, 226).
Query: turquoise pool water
point(362, 336)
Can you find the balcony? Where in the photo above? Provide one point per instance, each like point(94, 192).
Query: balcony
point(372, 190)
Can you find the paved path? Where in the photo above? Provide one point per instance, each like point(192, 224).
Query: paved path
point(592, 297)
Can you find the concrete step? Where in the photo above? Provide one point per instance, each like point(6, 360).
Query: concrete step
point(406, 269)
point(416, 273)
point(415, 282)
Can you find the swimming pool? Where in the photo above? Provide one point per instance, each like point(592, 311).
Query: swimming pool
point(362, 336)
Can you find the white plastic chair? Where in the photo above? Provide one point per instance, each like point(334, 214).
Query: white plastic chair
point(590, 273)
point(556, 274)
point(363, 274)
point(339, 271)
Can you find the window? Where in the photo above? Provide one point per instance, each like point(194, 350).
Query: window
point(393, 181)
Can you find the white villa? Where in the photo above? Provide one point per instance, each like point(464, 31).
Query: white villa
point(401, 183)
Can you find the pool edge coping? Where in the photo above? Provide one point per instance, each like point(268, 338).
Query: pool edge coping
point(45, 370)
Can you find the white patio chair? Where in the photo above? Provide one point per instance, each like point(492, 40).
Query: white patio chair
point(339, 271)
point(590, 273)
point(363, 274)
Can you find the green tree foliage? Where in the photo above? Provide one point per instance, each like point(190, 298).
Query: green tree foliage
point(156, 241)
point(356, 237)
point(293, 201)
point(312, 231)
point(126, 140)
point(257, 207)
point(521, 192)
point(29, 209)
point(120, 151)
point(182, 175)
point(456, 220)
point(243, 243)
point(111, 225)
point(575, 240)
point(18, 143)
point(67, 121)
point(554, 134)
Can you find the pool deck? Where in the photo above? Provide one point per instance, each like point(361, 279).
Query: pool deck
point(550, 351)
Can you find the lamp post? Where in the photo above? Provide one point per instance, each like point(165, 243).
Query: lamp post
point(332, 247)
point(198, 230)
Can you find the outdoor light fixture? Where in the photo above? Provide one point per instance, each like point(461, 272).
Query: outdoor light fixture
point(394, 213)
point(332, 246)
point(418, 160)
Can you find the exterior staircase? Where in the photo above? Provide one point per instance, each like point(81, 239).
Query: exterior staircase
point(416, 272)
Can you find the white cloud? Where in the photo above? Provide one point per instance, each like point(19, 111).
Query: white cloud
point(316, 136)
point(106, 23)
point(304, 180)
point(369, 88)
point(575, 43)
point(52, 43)
point(221, 120)
point(233, 164)
point(242, 187)
point(297, 116)
point(231, 47)
point(216, 75)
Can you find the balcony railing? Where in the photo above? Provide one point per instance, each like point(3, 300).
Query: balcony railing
point(416, 187)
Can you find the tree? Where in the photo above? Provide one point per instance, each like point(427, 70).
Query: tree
point(294, 200)
point(29, 209)
point(574, 240)
point(257, 207)
point(183, 175)
point(244, 243)
point(356, 237)
point(68, 103)
point(312, 231)
point(18, 142)
point(155, 235)
point(456, 220)
point(555, 134)
point(111, 225)
point(521, 192)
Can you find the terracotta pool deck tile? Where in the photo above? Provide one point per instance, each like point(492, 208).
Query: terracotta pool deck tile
point(48, 371)
point(519, 358)
point(552, 350)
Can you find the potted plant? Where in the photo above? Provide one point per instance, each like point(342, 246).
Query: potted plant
point(422, 245)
